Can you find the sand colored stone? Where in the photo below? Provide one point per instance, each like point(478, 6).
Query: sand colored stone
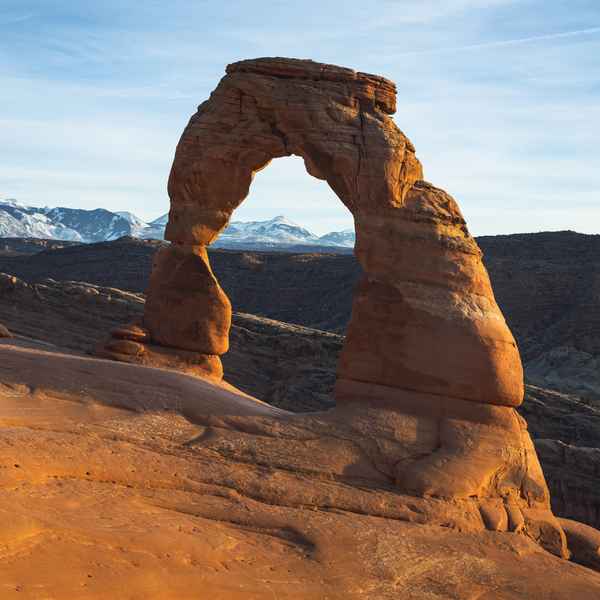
point(429, 374)
point(424, 316)
point(584, 543)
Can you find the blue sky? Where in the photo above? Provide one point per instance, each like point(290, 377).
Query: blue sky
point(500, 97)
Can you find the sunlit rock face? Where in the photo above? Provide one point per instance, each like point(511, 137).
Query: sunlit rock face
point(4, 332)
point(430, 373)
point(424, 317)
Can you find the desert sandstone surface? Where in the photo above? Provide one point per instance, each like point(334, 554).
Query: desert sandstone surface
point(148, 475)
point(131, 482)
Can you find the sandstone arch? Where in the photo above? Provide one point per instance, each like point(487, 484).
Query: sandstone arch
point(424, 316)
point(430, 372)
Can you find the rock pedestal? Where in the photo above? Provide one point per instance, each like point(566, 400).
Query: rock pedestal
point(186, 319)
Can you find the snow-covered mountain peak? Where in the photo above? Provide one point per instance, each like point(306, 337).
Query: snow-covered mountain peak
point(282, 219)
point(130, 217)
point(343, 239)
point(276, 231)
point(17, 220)
point(162, 220)
point(11, 202)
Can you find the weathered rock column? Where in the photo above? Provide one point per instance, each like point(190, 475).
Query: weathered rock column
point(186, 307)
point(424, 316)
point(186, 318)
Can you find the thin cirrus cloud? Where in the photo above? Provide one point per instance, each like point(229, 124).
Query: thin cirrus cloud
point(510, 42)
point(500, 98)
point(9, 19)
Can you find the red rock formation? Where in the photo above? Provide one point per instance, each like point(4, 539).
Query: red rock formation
point(424, 318)
point(584, 543)
point(122, 477)
point(429, 361)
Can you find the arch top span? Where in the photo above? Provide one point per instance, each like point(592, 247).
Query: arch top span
point(336, 119)
point(366, 86)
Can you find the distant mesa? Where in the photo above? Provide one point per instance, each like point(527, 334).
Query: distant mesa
point(101, 225)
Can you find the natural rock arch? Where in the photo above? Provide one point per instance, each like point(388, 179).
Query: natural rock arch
point(429, 373)
point(424, 316)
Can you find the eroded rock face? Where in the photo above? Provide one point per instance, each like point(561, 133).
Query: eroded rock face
point(429, 372)
point(186, 308)
point(584, 543)
point(573, 473)
point(424, 317)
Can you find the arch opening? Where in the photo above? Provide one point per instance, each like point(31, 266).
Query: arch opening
point(284, 187)
point(295, 275)
point(302, 284)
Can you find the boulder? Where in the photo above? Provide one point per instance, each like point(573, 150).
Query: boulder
point(584, 543)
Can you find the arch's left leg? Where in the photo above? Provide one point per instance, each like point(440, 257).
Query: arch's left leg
point(186, 319)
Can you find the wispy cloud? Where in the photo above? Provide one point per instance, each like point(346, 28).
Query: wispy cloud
point(15, 18)
point(423, 12)
point(502, 43)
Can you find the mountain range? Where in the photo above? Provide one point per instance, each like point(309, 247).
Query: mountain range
point(100, 225)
